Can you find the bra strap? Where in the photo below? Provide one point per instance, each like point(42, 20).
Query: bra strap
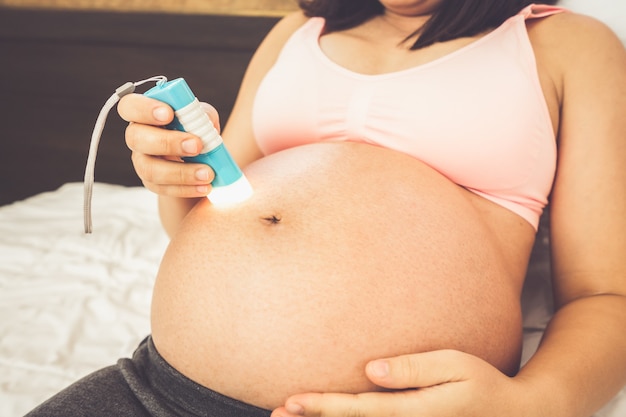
point(535, 11)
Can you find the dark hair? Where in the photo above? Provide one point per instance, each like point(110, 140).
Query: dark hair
point(452, 19)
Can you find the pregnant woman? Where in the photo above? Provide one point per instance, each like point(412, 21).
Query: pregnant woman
point(401, 153)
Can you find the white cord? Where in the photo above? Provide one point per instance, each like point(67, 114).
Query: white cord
point(120, 92)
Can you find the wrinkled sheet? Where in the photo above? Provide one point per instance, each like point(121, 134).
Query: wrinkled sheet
point(72, 303)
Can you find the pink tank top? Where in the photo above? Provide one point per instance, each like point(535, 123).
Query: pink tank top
point(477, 115)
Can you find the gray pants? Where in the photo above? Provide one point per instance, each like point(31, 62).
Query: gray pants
point(145, 385)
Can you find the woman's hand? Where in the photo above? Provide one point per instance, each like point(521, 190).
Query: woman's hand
point(442, 383)
point(157, 152)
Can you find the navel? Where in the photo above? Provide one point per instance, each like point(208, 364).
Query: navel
point(271, 220)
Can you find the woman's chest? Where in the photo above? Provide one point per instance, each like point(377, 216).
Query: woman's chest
point(481, 124)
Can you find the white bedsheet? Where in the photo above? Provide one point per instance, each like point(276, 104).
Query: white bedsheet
point(72, 303)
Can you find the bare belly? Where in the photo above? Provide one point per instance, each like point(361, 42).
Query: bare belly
point(345, 253)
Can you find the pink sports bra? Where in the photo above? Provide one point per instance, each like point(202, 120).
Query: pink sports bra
point(476, 115)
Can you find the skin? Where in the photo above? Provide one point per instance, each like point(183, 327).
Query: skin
point(240, 296)
point(580, 363)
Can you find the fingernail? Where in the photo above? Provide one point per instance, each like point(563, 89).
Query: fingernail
point(190, 146)
point(202, 174)
point(294, 408)
point(379, 369)
point(202, 189)
point(161, 114)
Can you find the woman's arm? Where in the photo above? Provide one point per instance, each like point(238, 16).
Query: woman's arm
point(581, 362)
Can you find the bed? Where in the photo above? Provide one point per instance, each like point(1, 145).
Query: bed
point(71, 303)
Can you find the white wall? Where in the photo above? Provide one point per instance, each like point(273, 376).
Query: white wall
point(611, 12)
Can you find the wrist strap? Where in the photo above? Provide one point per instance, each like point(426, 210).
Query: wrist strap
point(120, 92)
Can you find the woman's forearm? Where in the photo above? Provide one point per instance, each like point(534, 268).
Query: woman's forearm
point(172, 211)
point(581, 362)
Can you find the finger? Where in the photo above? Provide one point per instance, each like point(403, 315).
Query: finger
point(371, 404)
point(180, 191)
point(422, 369)
point(212, 113)
point(141, 109)
point(157, 173)
point(157, 141)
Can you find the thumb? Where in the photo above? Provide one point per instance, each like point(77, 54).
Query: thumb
point(212, 113)
point(420, 370)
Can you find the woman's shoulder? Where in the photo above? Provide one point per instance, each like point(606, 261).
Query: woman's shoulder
point(278, 36)
point(269, 49)
point(572, 35)
point(572, 47)
point(288, 25)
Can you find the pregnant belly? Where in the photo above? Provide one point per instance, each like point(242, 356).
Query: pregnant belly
point(345, 253)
